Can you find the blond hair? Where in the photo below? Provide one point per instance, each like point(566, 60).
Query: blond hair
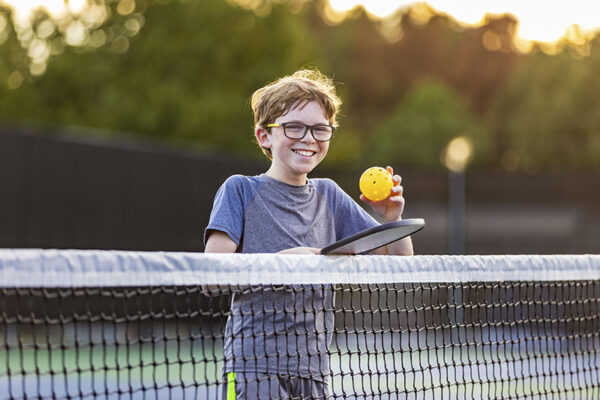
point(277, 98)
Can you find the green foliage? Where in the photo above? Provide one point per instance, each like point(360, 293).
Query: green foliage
point(421, 125)
point(547, 117)
point(184, 71)
point(13, 58)
point(187, 76)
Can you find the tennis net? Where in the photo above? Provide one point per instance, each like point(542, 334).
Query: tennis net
point(112, 324)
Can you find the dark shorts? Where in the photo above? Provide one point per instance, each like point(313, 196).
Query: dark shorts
point(256, 385)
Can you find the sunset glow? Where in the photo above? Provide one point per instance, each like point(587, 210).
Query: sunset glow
point(540, 21)
point(57, 8)
point(543, 21)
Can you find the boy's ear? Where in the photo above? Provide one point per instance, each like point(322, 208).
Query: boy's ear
point(263, 136)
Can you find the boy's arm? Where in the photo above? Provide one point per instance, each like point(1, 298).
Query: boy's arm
point(402, 247)
point(218, 242)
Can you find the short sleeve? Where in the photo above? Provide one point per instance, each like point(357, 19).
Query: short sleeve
point(227, 214)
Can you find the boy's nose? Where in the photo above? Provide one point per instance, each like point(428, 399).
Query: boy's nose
point(308, 138)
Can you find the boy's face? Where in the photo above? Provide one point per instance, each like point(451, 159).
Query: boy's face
point(294, 159)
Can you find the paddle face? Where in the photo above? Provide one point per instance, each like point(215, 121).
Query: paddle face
point(373, 238)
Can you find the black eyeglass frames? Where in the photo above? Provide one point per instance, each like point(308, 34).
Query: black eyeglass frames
point(297, 130)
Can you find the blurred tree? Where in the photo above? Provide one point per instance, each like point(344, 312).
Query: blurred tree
point(184, 70)
point(422, 124)
point(379, 61)
point(14, 61)
point(188, 75)
point(377, 71)
point(548, 115)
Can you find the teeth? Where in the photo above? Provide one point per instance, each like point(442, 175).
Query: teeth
point(304, 153)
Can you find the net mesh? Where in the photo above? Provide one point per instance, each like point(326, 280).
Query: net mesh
point(485, 339)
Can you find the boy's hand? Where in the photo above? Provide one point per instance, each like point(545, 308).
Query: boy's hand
point(391, 208)
point(301, 250)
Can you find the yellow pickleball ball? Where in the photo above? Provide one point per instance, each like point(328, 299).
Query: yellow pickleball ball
point(376, 183)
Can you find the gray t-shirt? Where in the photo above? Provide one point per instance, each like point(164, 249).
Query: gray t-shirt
point(282, 330)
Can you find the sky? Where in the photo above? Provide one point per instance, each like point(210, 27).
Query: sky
point(54, 7)
point(539, 20)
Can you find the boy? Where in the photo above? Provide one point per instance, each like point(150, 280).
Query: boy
point(276, 338)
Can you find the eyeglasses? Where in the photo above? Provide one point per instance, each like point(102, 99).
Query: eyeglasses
point(297, 130)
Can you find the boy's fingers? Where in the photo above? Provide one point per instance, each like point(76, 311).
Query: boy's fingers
point(398, 190)
point(396, 199)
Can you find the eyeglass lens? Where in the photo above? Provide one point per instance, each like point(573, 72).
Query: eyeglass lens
point(297, 130)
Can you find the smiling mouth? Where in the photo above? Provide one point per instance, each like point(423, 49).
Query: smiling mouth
point(305, 153)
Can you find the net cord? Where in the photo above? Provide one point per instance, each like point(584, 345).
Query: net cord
point(106, 268)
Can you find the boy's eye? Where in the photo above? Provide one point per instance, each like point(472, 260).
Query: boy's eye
point(294, 128)
point(322, 129)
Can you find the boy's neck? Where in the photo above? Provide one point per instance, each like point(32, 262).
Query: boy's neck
point(296, 180)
